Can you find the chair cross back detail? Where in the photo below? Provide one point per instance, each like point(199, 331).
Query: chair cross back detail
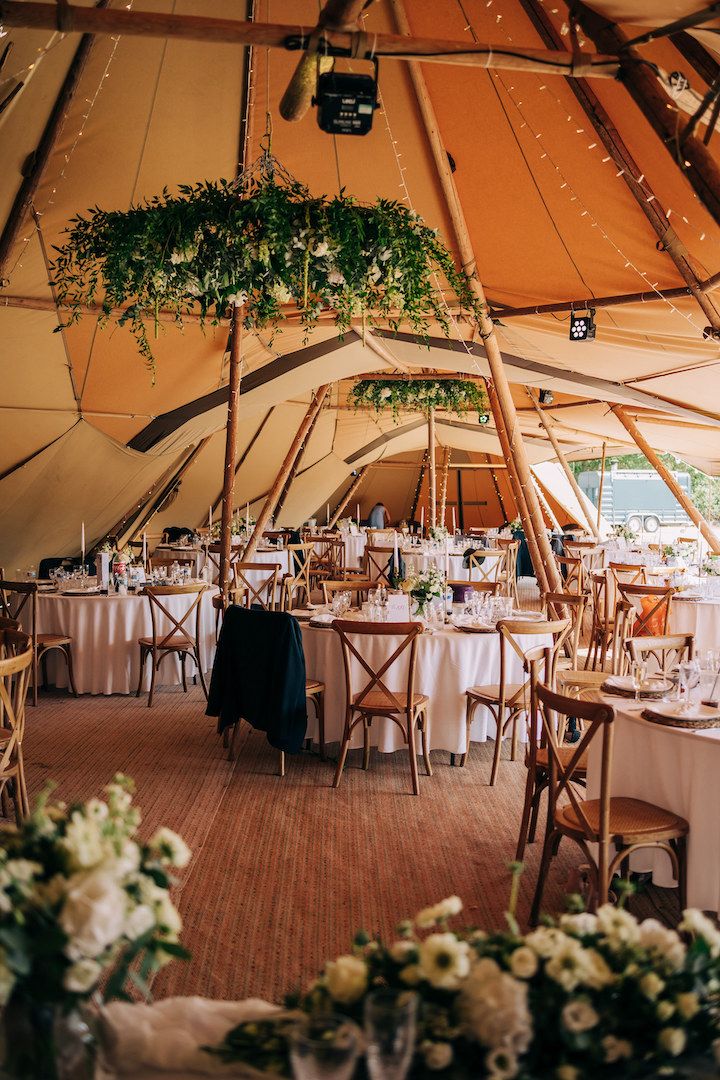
point(378, 563)
point(511, 629)
point(154, 593)
point(660, 597)
point(667, 650)
point(628, 573)
point(25, 592)
point(573, 571)
point(411, 631)
point(266, 586)
point(487, 571)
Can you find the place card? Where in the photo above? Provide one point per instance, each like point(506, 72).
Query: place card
point(398, 607)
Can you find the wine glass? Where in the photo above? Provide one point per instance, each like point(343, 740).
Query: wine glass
point(638, 673)
point(390, 1026)
point(688, 679)
point(324, 1048)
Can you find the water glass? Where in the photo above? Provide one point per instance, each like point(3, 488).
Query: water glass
point(638, 673)
point(688, 679)
point(390, 1029)
point(324, 1048)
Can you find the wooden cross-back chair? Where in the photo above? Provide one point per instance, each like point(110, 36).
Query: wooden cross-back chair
point(405, 707)
point(18, 604)
point(602, 593)
point(610, 822)
point(628, 573)
point(664, 653)
point(255, 584)
point(488, 564)
point(492, 587)
point(177, 641)
point(16, 658)
point(357, 587)
point(572, 572)
point(507, 574)
point(652, 608)
point(560, 605)
point(378, 562)
point(328, 560)
point(297, 580)
point(507, 701)
point(588, 551)
point(213, 559)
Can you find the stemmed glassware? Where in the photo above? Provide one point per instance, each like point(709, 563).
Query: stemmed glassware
point(688, 679)
point(638, 673)
point(390, 1024)
point(324, 1048)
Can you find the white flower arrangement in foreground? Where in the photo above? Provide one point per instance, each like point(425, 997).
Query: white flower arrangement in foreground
point(425, 585)
point(81, 897)
point(588, 996)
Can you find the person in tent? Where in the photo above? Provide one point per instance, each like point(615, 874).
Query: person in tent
point(379, 517)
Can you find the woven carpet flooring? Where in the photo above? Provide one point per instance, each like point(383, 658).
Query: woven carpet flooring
point(286, 869)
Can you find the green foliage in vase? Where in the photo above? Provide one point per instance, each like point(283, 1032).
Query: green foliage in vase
point(261, 242)
point(450, 395)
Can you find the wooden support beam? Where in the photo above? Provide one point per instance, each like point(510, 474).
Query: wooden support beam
point(418, 486)
point(654, 458)
point(496, 485)
point(547, 509)
point(583, 304)
point(230, 447)
point(138, 515)
point(291, 37)
point(602, 483)
point(696, 161)
point(296, 467)
point(569, 474)
point(286, 470)
point(505, 407)
point(352, 490)
point(465, 466)
point(36, 163)
point(432, 501)
point(690, 48)
point(643, 194)
point(444, 484)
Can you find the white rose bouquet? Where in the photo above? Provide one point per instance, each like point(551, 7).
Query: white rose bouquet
point(424, 586)
point(81, 900)
point(590, 996)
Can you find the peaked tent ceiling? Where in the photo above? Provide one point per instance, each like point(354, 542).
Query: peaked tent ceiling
point(549, 216)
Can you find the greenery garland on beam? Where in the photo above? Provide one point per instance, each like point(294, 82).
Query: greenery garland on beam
point(261, 242)
point(448, 395)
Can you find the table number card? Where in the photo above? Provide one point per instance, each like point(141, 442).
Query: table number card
point(398, 607)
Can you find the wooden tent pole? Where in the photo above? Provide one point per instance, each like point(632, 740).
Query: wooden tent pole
point(352, 490)
point(444, 484)
point(290, 37)
point(296, 468)
point(653, 457)
point(497, 488)
point(569, 474)
point(547, 509)
point(286, 471)
point(228, 490)
point(432, 508)
point(601, 484)
point(532, 522)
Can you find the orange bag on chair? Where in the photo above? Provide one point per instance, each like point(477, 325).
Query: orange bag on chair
point(650, 625)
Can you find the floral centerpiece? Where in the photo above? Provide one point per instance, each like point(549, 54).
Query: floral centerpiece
point(262, 242)
point(438, 533)
point(590, 996)
point(711, 566)
point(239, 526)
point(82, 899)
point(623, 532)
point(449, 395)
point(424, 586)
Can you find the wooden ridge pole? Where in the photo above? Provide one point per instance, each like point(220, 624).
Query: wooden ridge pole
point(352, 490)
point(444, 483)
point(693, 158)
point(432, 507)
point(653, 457)
point(296, 467)
point(642, 193)
point(286, 471)
point(601, 485)
point(228, 490)
point(569, 474)
point(532, 521)
point(133, 23)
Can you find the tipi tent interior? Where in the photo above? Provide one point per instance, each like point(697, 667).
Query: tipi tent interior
point(568, 173)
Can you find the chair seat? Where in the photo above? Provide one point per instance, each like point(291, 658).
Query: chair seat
point(491, 692)
point(313, 686)
point(565, 754)
point(631, 820)
point(49, 641)
point(377, 701)
point(176, 642)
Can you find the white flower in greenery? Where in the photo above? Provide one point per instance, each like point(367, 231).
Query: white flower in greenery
point(321, 249)
point(578, 1016)
point(452, 905)
point(82, 976)
point(581, 923)
point(404, 951)
point(93, 914)
point(336, 278)
point(694, 922)
point(168, 919)
point(385, 254)
point(664, 1011)
point(7, 980)
point(96, 808)
point(672, 1041)
point(444, 960)
point(170, 848)
point(523, 962)
point(688, 1004)
point(568, 966)
point(126, 861)
point(619, 926)
point(21, 871)
point(545, 941)
point(437, 1055)
point(616, 1049)
point(139, 921)
point(596, 973)
point(662, 943)
point(386, 393)
point(281, 293)
point(651, 985)
point(237, 298)
point(83, 842)
point(346, 979)
point(494, 1008)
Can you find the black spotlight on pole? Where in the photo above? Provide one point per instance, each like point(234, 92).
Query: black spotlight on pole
point(546, 397)
point(582, 327)
point(483, 418)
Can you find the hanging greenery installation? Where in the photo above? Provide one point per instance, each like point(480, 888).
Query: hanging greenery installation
point(449, 395)
point(264, 243)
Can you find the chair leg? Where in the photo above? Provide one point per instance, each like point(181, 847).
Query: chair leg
point(514, 740)
point(231, 740)
point(196, 654)
point(35, 677)
point(366, 743)
point(498, 748)
point(320, 710)
point(153, 672)
point(143, 658)
point(527, 810)
point(343, 752)
point(425, 751)
point(282, 762)
point(183, 674)
point(413, 757)
point(470, 706)
point(681, 852)
point(542, 876)
point(539, 788)
point(67, 650)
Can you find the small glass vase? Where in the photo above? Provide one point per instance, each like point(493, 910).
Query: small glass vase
point(422, 604)
point(42, 1042)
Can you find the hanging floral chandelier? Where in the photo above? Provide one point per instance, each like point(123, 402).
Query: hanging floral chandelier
point(448, 395)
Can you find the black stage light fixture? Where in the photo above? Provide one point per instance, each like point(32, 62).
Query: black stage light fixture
point(346, 102)
point(483, 418)
point(582, 327)
point(546, 397)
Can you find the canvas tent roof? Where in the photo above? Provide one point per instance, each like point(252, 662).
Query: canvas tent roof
point(86, 433)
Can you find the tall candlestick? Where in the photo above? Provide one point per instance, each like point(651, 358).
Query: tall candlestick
point(210, 519)
point(358, 514)
point(447, 558)
point(144, 549)
point(396, 559)
point(328, 513)
point(247, 517)
point(422, 520)
point(454, 522)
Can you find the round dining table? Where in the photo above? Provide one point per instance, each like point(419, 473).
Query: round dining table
point(698, 617)
point(105, 631)
point(417, 561)
point(449, 661)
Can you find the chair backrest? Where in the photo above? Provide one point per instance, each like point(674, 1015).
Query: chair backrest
point(213, 558)
point(356, 586)
point(487, 564)
point(602, 594)
point(572, 572)
point(492, 587)
point(255, 584)
point(666, 652)
point(559, 604)
point(18, 603)
point(300, 558)
point(352, 635)
point(16, 656)
point(554, 711)
point(652, 608)
point(511, 548)
point(329, 554)
point(628, 573)
point(378, 561)
point(159, 612)
point(511, 631)
point(587, 551)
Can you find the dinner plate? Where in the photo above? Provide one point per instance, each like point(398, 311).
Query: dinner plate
point(518, 614)
point(473, 628)
point(81, 592)
point(623, 685)
point(696, 716)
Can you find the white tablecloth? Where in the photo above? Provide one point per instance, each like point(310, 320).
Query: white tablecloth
point(354, 549)
point(448, 663)
point(105, 632)
point(679, 771)
point(178, 551)
point(698, 617)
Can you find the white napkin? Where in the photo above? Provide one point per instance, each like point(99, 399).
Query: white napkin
point(323, 618)
point(164, 1038)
